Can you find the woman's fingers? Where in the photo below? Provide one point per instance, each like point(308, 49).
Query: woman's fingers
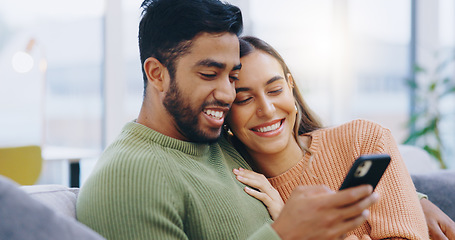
point(253, 179)
point(261, 189)
point(259, 195)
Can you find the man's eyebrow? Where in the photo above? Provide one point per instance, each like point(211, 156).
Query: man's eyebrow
point(246, 89)
point(211, 63)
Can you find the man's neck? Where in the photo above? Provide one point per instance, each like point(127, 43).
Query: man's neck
point(158, 119)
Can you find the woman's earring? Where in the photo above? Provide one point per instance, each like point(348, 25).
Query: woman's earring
point(228, 130)
point(296, 108)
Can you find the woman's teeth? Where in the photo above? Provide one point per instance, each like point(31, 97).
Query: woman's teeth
point(269, 128)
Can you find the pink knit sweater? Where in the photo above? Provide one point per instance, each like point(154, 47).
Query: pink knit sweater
point(397, 214)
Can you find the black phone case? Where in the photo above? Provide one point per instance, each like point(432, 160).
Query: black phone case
point(379, 163)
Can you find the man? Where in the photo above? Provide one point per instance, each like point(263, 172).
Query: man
point(166, 176)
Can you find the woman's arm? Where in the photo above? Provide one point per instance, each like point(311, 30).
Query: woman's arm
point(261, 189)
point(399, 212)
point(440, 225)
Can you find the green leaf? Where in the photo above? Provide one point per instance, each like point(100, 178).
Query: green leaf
point(411, 83)
point(413, 119)
point(447, 92)
point(432, 86)
point(436, 153)
point(418, 69)
point(432, 151)
point(410, 139)
point(423, 131)
point(447, 80)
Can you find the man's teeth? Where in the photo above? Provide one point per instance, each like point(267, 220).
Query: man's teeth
point(269, 128)
point(215, 114)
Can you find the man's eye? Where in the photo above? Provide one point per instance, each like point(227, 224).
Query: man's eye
point(206, 75)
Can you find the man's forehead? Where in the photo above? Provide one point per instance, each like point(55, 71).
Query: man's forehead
point(215, 50)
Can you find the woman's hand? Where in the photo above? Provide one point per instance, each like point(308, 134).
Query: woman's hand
point(440, 225)
point(261, 189)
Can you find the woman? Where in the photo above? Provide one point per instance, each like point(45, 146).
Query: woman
point(274, 129)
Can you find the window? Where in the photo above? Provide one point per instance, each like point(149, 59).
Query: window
point(60, 103)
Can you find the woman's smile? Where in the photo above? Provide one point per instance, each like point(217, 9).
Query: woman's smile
point(269, 129)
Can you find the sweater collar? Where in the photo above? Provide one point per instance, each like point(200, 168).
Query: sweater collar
point(296, 171)
point(152, 136)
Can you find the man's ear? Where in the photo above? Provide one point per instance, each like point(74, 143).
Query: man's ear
point(155, 72)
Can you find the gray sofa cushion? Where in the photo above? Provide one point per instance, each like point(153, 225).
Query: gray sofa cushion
point(440, 188)
point(57, 197)
point(22, 217)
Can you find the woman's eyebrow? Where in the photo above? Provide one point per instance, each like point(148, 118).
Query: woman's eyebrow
point(237, 67)
point(243, 89)
point(273, 79)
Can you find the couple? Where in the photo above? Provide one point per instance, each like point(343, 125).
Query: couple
point(169, 175)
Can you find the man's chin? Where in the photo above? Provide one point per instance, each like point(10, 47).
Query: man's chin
point(210, 136)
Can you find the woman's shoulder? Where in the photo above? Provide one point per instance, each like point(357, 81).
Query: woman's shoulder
point(357, 128)
point(359, 134)
point(358, 125)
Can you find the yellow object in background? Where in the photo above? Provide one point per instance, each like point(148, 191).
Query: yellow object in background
point(21, 164)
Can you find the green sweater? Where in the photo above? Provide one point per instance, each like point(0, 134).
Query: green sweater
point(149, 186)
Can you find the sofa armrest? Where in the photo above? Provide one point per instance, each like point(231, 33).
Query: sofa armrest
point(25, 218)
point(440, 188)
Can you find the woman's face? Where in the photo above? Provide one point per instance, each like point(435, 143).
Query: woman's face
point(263, 113)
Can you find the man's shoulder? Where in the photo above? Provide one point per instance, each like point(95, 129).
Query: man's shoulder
point(232, 157)
point(128, 149)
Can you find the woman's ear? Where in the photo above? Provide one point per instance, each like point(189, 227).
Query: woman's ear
point(155, 72)
point(290, 80)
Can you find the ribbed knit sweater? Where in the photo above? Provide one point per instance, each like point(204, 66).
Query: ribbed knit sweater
point(149, 186)
point(397, 214)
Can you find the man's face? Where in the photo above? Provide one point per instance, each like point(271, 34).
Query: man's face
point(202, 90)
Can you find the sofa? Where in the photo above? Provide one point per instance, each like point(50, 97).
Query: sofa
point(40, 212)
point(438, 184)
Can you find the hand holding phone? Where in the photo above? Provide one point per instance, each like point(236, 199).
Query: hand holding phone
point(367, 169)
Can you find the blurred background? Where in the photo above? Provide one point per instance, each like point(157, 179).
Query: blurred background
point(70, 74)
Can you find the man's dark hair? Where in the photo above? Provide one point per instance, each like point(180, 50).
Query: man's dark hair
point(167, 27)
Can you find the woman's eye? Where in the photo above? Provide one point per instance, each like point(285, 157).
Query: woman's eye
point(234, 78)
point(242, 101)
point(277, 91)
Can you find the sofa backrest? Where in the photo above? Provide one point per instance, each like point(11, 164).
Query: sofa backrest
point(57, 197)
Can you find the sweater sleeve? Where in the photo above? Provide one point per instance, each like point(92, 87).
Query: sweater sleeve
point(398, 214)
point(266, 232)
point(132, 201)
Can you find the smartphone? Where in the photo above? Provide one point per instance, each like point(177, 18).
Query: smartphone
point(367, 169)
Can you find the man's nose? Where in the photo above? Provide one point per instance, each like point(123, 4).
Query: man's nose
point(225, 91)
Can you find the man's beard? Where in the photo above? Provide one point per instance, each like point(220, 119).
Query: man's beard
point(187, 118)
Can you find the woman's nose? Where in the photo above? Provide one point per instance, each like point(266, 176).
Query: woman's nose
point(266, 108)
